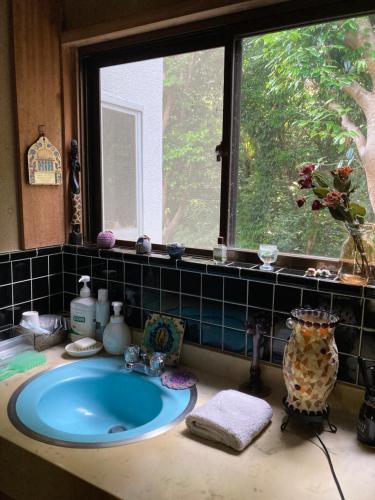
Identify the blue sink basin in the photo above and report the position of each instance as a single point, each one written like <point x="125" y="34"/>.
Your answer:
<point x="95" y="403"/>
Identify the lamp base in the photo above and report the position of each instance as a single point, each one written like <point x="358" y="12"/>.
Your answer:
<point x="312" y="417"/>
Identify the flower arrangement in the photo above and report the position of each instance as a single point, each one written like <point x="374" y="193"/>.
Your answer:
<point x="335" y="197"/>
<point x="334" y="194"/>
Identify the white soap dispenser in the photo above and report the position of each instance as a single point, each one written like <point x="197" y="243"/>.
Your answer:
<point x="117" y="334"/>
<point x="82" y="313"/>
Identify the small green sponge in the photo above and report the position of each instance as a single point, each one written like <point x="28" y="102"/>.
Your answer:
<point x="21" y="363"/>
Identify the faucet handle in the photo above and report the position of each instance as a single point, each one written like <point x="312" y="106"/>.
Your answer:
<point x="157" y="360"/>
<point x="131" y="353"/>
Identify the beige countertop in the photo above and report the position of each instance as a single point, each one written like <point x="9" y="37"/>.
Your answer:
<point x="276" y="466"/>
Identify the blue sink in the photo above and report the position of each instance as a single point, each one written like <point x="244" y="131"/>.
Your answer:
<point x="95" y="403"/>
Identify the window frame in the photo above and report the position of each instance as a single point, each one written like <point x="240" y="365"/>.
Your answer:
<point x="225" y="32"/>
<point x="118" y="104"/>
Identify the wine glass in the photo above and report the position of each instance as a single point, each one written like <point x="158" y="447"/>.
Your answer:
<point x="267" y="254"/>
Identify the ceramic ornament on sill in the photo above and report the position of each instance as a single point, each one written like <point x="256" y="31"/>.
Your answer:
<point x="44" y="163"/>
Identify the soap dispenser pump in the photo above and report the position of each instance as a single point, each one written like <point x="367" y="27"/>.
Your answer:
<point x="117" y="334"/>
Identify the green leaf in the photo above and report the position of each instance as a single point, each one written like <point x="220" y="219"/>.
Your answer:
<point x="320" y="179"/>
<point x="357" y="210"/>
<point x="321" y="192"/>
<point x="340" y="185"/>
<point x="337" y="213"/>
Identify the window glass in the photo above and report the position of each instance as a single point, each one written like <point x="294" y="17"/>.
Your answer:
<point x="120" y="211"/>
<point x="302" y="100"/>
<point x="159" y="169"/>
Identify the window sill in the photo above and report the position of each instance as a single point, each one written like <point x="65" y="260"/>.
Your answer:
<point x="235" y="269"/>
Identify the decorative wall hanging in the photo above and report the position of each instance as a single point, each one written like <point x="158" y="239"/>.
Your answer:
<point x="44" y="163"/>
<point x="164" y="334"/>
<point x="75" y="237"/>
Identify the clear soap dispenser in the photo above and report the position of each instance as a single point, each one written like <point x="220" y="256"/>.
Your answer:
<point x="117" y="334"/>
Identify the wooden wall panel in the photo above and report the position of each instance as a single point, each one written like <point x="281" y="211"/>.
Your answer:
<point x="36" y="28"/>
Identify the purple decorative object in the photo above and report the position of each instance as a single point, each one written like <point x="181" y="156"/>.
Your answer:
<point x="178" y="379"/>
<point x="106" y="239"/>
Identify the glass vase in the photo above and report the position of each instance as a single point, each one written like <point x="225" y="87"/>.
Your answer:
<point x="357" y="255"/>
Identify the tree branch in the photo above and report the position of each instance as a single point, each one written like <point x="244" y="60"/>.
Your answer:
<point x="364" y="38"/>
<point x="359" y="139"/>
<point x="360" y="95"/>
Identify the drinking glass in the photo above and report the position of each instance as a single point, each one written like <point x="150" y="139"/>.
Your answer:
<point x="267" y="254"/>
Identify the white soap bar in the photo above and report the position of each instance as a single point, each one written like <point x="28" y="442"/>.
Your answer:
<point x="85" y="343"/>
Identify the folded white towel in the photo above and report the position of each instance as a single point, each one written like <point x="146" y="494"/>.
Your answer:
<point x="231" y="418"/>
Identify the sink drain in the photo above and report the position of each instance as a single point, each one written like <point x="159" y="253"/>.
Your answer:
<point x="116" y="428"/>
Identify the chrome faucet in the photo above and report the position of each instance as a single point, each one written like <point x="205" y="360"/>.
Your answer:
<point x="151" y="365"/>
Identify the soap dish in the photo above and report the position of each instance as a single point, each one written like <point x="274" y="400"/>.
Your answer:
<point x="75" y="352"/>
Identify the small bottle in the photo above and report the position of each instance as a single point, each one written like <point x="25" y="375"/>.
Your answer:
<point x="82" y="313"/>
<point x="117" y="334"/>
<point x="220" y="251"/>
<point x="102" y="313"/>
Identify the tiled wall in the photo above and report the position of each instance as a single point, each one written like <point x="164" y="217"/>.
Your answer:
<point x="30" y="279"/>
<point x="216" y="300"/>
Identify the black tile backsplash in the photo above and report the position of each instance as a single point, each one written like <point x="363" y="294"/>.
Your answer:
<point x="39" y="266"/>
<point x="115" y="270"/>
<point x="83" y="263"/>
<point x="349" y="309"/>
<point x="133" y="273"/>
<point x="347" y="339"/>
<point x="319" y="300"/>
<point x="260" y="295"/>
<point x="151" y="299"/>
<point x="133" y="295"/>
<point x="234" y="341"/>
<point x="170" y="279"/>
<point x="22" y="291"/>
<point x="192" y="331"/>
<point x="235" y="290"/>
<point x="32" y="279"/>
<point x="35" y="281"/>
<point x="287" y="298"/>
<point x="190" y="283"/>
<point x="212" y="287"/>
<point x="234" y="316"/>
<point x="151" y="276"/>
<point x="21" y="270"/>
<point x="212" y="311"/>
<point x="70" y="263"/>
<point x="40" y="287"/>
<point x="5" y="273"/>
<point x="211" y="335"/>
<point x="216" y="301"/>
<point x="190" y="307"/>
<point x="170" y="303"/>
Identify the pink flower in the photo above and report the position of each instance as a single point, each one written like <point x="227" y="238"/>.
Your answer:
<point x="333" y="199"/>
<point x="306" y="182"/>
<point x="307" y="169"/>
<point x="316" y="205"/>
<point x="301" y="201"/>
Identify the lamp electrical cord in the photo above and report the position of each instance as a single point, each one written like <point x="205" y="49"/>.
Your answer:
<point x="326" y="453"/>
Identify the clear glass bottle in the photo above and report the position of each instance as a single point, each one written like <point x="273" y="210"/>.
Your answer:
<point x="220" y="251"/>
